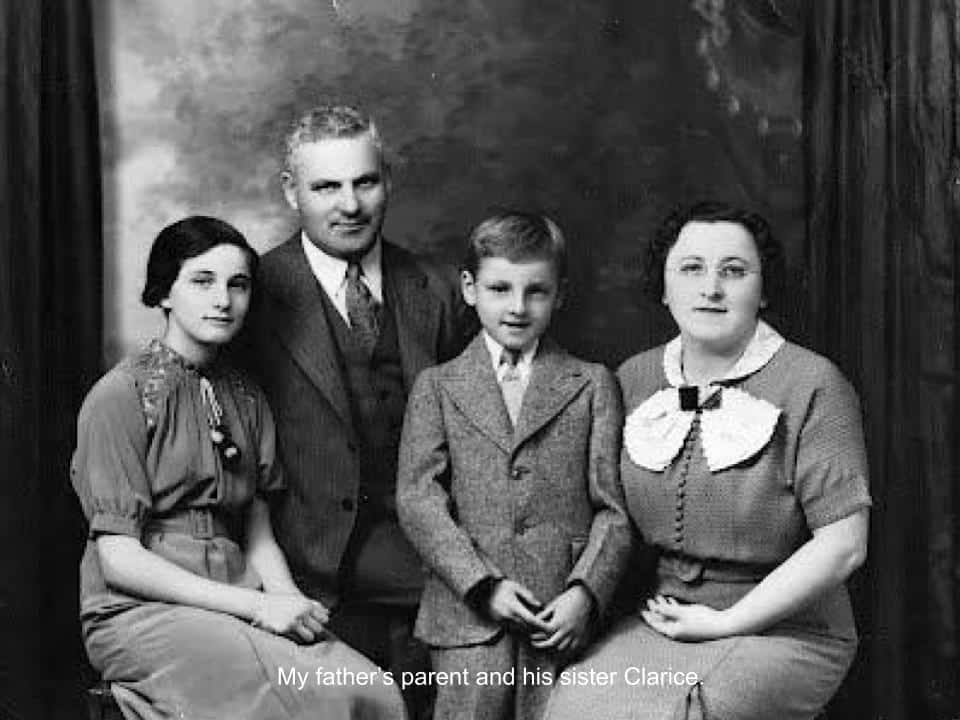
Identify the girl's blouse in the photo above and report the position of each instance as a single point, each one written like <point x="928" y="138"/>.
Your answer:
<point x="144" y="454"/>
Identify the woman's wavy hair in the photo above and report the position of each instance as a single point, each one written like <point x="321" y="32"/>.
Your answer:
<point x="768" y="248"/>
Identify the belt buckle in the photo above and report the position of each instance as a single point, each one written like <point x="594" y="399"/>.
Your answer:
<point x="202" y="523"/>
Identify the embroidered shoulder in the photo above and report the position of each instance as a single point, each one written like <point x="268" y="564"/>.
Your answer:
<point x="155" y="371"/>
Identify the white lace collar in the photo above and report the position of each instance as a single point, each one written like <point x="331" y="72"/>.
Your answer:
<point x="737" y="429"/>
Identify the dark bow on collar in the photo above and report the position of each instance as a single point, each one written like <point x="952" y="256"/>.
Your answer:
<point x="690" y="398"/>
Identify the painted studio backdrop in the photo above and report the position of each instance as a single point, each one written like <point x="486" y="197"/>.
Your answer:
<point x="602" y="119"/>
<point x="838" y="120"/>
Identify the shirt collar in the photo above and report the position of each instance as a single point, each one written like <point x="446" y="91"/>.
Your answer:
<point x="496" y="351"/>
<point x="331" y="272"/>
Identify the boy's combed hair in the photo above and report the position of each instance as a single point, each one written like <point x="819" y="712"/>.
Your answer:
<point x="517" y="236"/>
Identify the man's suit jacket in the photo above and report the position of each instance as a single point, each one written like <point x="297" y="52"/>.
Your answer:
<point x="541" y="504"/>
<point x="293" y="352"/>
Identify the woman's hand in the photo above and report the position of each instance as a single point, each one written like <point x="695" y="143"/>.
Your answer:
<point x="688" y="623"/>
<point x="291" y="614"/>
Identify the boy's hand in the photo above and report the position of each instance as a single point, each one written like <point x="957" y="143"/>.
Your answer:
<point x="567" y="618"/>
<point x="511" y="602"/>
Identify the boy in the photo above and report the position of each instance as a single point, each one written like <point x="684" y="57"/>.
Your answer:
<point x="508" y="484"/>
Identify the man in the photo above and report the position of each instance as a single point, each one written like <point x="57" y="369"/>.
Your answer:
<point x="344" y="323"/>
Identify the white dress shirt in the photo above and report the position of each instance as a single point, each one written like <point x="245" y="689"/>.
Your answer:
<point x="331" y="273"/>
<point x="524" y="363"/>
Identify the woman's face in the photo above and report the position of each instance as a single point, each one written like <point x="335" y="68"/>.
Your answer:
<point x="208" y="302"/>
<point x="713" y="285"/>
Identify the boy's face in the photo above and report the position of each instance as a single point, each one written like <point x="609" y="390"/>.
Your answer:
<point x="514" y="300"/>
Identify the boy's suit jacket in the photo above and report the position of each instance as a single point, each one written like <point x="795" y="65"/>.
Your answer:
<point x="293" y="353"/>
<point x="541" y="505"/>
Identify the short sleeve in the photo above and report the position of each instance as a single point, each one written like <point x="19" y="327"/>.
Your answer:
<point x="831" y="466"/>
<point x="269" y="474"/>
<point x="108" y="468"/>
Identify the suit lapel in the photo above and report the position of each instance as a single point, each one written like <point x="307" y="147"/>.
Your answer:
<point x="303" y="328"/>
<point x="416" y="313"/>
<point x="554" y="382"/>
<point x="471" y="383"/>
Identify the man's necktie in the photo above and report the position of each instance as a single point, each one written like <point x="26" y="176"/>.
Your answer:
<point x="363" y="310"/>
<point x="511" y="384"/>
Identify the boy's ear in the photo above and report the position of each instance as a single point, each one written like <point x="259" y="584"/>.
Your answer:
<point x="468" y="287"/>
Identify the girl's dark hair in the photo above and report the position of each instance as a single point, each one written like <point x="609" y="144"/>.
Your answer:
<point x="183" y="240"/>
<point x="768" y="248"/>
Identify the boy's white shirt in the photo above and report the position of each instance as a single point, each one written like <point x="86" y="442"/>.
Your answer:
<point x="331" y="273"/>
<point x="524" y="364"/>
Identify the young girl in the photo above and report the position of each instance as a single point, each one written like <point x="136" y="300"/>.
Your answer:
<point x="187" y="604"/>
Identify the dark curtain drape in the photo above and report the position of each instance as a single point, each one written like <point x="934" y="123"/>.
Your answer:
<point x="50" y="340"/>
<point x="883" y="199"/>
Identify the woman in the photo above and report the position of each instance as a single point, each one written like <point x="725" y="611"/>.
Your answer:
<point x="187" y="603"/>
<point x="744" y="469"/>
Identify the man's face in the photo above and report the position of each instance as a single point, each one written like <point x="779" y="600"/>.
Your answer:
<point x="340" y="189"/>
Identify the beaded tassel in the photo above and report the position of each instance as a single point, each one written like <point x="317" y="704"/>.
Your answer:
<point x="219" y="435"/>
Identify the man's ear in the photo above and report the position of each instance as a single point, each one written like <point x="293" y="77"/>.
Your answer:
<point x="468" y="286"/>
<point x="289" y="185"/>
<point x="165" y="303"/>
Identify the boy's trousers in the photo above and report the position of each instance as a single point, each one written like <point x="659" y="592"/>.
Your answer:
<point x="509" y="656"/>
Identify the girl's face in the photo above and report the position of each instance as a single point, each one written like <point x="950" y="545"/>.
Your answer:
<point x="208" y="302"/>
<point x="713" y="285"/>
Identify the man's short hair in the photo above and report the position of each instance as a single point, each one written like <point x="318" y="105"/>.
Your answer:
<point x="517" y="237"/>
<point x="329" y="121"/>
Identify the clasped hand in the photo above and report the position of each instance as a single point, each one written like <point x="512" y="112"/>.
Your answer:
<point x="291" y="614"/>
<point x="561" y="625"/>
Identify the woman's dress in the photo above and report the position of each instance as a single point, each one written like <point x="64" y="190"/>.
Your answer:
<point x="724" y="492"/>
<point x="145" y="466"/>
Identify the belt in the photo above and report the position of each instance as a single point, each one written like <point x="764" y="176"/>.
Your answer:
<point x="690" y="569"/>
<point x="201" y="523"/>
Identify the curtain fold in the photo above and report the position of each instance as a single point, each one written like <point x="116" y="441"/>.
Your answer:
<point x="883" y="196"/>
<point x="19" y="227"/>
<point x="50" y="341"/>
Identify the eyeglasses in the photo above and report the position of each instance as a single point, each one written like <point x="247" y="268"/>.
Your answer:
<point x="694" y="270"/>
